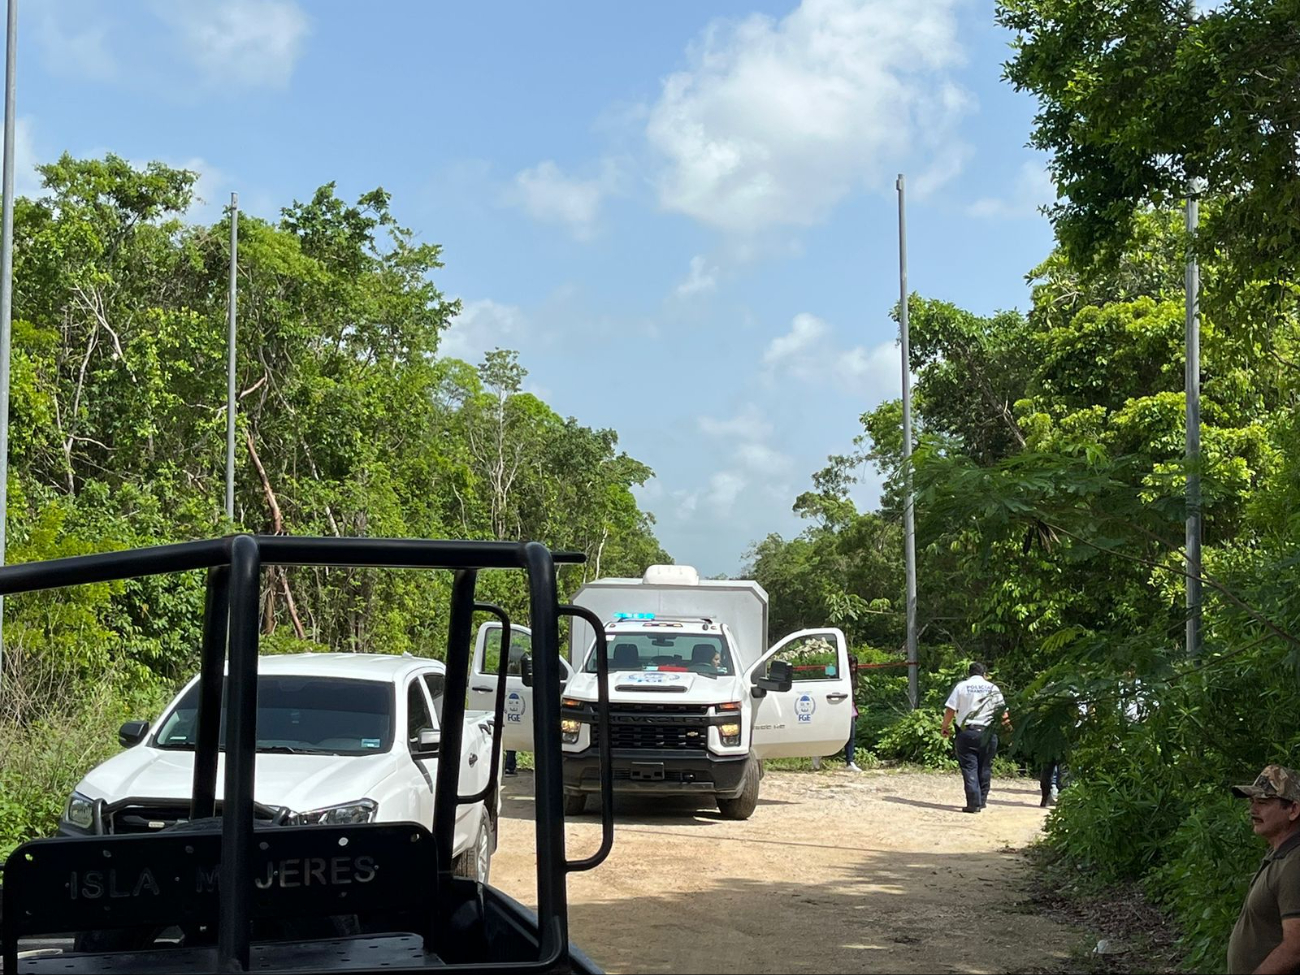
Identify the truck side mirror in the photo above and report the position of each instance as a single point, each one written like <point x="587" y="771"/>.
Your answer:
<point x="526" y="669"/>
<point x="780" y="677"/>
<point x="429" y="741"/>
<point x="132" y="733"/>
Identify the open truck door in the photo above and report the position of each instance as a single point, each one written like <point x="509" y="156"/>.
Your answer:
<point x="804" y="711"/>
<point x="518" y="729"/>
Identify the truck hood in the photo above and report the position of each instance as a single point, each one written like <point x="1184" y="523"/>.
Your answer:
<point x="301" y="782"/>
<point x="658" y="687"/>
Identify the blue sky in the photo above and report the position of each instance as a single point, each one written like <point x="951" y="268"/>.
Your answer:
<point x="682" y="214"/>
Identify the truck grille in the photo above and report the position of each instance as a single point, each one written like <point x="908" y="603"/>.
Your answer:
<point x="662" y="727"/>
<point x="696" y="710"/>
<point x="150" y="817"/>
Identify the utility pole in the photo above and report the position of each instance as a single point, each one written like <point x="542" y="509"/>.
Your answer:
<point x="909" y="519"/>
<point x="230" y="366"/>
<point x="1192" y="382"/>
<point x="6" y="285"/>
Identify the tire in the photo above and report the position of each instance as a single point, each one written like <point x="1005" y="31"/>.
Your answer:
<point x="743" y="805"/>
<point x="476" y="862"/>
<point x="575" y="803"/>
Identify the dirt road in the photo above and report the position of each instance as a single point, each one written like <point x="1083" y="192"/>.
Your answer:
<point x="835" y="872"/>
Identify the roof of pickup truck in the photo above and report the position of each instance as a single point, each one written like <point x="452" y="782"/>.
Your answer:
<point x="694" y="624"/>
<point x="363" y="666"/>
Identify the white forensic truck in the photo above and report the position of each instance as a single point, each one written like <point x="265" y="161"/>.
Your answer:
<point x="698" y="699"/>
<point x="342" y="738"/>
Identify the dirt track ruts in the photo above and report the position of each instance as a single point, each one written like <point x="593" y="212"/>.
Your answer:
<point x="835" y="872"/>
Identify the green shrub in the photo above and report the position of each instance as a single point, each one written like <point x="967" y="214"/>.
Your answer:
<point x="915" y="737"/>
<point x="1115" y="824"/>
<point x="1204" y="882"/>
<point x="45" y="752"/>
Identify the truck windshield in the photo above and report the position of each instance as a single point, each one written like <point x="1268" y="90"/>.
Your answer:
<point x="313" y="715"/>
<point x="686" y="652"/>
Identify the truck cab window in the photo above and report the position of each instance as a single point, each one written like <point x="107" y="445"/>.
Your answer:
<point x="813" y="658"/>
<point x="520" y="644"/>
<point x="686" y="653"/>
<point x="437" y="687"/>
<point x="417" y="714"/>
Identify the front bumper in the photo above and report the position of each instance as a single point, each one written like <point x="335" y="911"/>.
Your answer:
<point x="658" y="772"/>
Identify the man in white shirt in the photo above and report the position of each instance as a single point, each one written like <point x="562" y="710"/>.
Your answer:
<point x="976" y="703"/>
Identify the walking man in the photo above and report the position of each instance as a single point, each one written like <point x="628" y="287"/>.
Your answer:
<point x="976" y="703"/>
<point x="1267" y="935"/>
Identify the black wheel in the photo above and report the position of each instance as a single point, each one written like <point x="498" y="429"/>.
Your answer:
<point x="476" y="862"/>
<point x="743" y="805"/>
<point x="575" y="803"/>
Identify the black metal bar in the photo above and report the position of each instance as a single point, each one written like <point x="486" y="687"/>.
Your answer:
<point x="604" y="747"/>
<point x="460" y="628"/>
<point x="410" y="553"/>
<point x="216" y="616"/>
<point x="235" y="930"/>
<point x="548" y="776"/>
<point x="81" y="569"/>
<point x="488" y="794"/>
<point x="276" y="550"/>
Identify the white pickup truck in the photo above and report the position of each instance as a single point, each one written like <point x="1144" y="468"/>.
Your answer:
<point x="341" y="738"/>
<point x="697" y="696"/>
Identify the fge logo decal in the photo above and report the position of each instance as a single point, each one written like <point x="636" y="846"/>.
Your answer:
<point x="804" y="708"/>
<point x="515" y="708"/>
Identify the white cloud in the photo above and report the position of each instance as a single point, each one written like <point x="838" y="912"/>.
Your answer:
<point x="774" y="122"/>
<point x="751" y="459"/>
<point x="723" y="490"/>
<point x="481" y="326"/>
<point x="806" y="332"/>
<point x="27" y="181"/>
<point x="762" y="459"/>
<point x="80" y="48"/>
<point x="809" y="354"/>
<point x="1033" y="188"/>
<point x="211" y="190"/>
<point x="548" y="195"/>
<point x="749" y="424"/>
<point x="700" y="278"/>
<point x="252" y="43"/>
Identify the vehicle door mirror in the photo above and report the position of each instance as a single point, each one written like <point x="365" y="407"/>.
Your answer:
<point x="780" y="677"/>
<point x="526" y="669"/>
<point x="132" y="733"/>
<point x="428" y="741"/>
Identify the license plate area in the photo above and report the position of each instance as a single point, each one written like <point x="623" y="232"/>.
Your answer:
<point x="647" y="772"/>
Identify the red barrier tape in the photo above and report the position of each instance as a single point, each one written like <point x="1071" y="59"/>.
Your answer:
<point x="892" y="663"/>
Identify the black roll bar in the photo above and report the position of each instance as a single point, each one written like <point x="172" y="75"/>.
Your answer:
<point x="230" y="622"/>
<point x="604" y="747"/>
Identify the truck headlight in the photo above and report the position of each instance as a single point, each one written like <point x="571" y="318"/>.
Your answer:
<point x="346" y="814"/>
<point x="80" y="812"/>
<point x="569" y="728"/>
<point x="730" y="733"/>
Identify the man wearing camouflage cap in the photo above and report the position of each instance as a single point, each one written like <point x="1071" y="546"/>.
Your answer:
<point x="1267" y="935"/>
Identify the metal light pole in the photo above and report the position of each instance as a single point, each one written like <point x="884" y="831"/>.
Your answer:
<point x="6" y="285"/>
<point x="230" y="366"/>
<point x="909" y="521"/>
<point x="1192" y="381"/>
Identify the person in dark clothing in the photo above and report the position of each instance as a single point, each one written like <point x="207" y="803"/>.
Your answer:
<point x="976" y="703"/>
<point x="1050" y="782"/>
<point x="512" y="767"/>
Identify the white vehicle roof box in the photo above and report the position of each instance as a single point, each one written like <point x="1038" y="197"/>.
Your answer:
<point x="739" y="603"/>
<point x="671" y="575"/>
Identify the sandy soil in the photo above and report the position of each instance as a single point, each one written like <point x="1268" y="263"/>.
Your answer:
<point x="835" y="872"/>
